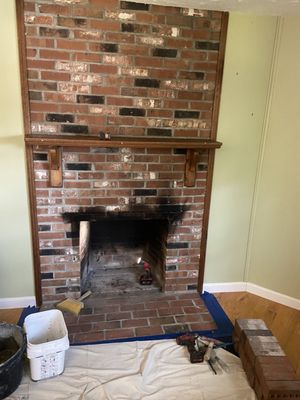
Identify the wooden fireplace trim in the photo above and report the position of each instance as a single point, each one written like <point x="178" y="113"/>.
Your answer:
<point x="192" y="146"/>
<point x="54" y="144"/>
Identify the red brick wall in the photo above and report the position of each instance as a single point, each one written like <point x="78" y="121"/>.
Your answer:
<point x="128" y="69"/>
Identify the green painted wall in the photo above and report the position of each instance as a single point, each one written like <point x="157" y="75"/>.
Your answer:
<point x="274" y="256"/>
<point x="248" y="60"/>
<point x="244" y="97"/>
<point x="16" y="277"/>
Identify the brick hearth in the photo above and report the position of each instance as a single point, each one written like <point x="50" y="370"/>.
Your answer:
<point x="119" y="317"/>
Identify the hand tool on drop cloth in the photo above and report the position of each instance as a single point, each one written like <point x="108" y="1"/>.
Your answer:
<point x="207" y="356"/>
<point x="73" y="305"/>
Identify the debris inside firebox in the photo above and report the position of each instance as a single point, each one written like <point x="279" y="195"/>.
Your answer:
<point x="202" y="349"/>
<point x="146" y="278"/>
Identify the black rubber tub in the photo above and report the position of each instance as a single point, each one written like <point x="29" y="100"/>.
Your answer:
<point x="12" y="348"/>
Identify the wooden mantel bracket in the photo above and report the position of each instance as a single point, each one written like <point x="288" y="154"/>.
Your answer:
<point x="190" y="167"/>
<point x="55" y="167"/>
<point x="55" y="143"/>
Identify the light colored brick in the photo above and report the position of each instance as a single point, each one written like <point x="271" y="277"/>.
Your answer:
<point x="103" y="110"/>
<point x="43" y="128"/>
<point x="72" y="88"/>
<point x="150" y="40"/>
<point x="86" y="78"/>
<point x="115" y="59"/>
<point x="133" y="71"/>
<point x="148" y="103"/>
<point x="194" y="12"/>
<point x="71" y="66"/>
<point x="176" y="84"/>
<point x="125" y="16"/>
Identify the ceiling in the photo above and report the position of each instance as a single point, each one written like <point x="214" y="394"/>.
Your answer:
<point x="260" y="7"/>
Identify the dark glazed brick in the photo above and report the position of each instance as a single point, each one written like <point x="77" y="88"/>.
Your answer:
<point x="207" y="45"/>
<point x="78" y="166"/>
<point x="186" y="114"/>
<point x="144" y="82"/>
<point x="194" y="75"/>
<point x="35" y="95"/>
<point x="179" y="245"/>
<point x="72" y="235"/>
<point x="145" y="192"/>
<point x="171" y="53"/>
<point x="127" y="27"/>
<point x="52" y="252"/>
<point x="44" y="228"/>
<point x="159" y="132"/>
<point x="109" y="47"/>
<point x="60" y="117"/>
<point x="75" y="129"/>
<point x="192" y="287"/>
<point x="47" y="275"/>
<point x="135" y="28"/>
<point x="202" y="167"/>
<point x="87" y="99"/>
<point x="171" y="267"/>
<point x="179" y="151"/>
<point x="49" y="32"/>
<point x="138" y="112"/>
<point x="128" y="5"/>
<point x="40" y="156"/>
<point x="173" y="208"/>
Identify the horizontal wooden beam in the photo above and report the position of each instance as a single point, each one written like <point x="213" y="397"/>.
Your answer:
<point x="120" y="141"/>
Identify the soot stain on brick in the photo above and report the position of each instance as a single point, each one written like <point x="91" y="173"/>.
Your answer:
<point x="173" y="212"/>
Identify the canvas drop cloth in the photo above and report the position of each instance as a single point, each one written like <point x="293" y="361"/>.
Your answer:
<point x="150" y="370"/>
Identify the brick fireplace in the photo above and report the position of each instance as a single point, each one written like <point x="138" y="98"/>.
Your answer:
<point x="148" y="75"/>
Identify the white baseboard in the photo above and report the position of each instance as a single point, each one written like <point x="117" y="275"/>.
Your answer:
<point x="225" y="287"/>
<point x="254" y="289"/>
<point x="17" y="302"/>
<point x="273" y="296"/>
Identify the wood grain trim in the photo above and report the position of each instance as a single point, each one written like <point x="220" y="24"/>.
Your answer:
<point x="211" y="155"/>
<point x="29" y="150"/>
<point x="119" y="141"/>
<point x="219" y="76"/>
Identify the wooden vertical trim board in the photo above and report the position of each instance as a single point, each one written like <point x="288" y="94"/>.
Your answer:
<point x="211" y="155"/>
<point x="210" y="168"/>
<point x="29" y="149"/>
<point x="219" y="76"/>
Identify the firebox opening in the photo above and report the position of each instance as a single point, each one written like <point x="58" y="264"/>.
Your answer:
<point x="123" y="255"/>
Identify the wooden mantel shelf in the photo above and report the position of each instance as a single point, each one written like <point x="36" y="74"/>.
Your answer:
<point x="121" y="141"/>
<point x="54" y="144"/>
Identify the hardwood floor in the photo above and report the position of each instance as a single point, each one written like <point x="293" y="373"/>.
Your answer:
<point x="284" y="322"/>
<point x="11" y="315"/>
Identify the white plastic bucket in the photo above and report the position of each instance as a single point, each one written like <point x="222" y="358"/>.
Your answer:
<point x="47" y="341"/>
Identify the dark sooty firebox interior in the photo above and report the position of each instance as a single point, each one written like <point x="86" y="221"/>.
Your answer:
<point x="120" y="253"/>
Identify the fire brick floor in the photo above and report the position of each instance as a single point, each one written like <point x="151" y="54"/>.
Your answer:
<point x="107" y="317"/>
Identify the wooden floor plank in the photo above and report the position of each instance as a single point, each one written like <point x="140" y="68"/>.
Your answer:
<point x="283" y="321"/>
<point x="11" y="315"/>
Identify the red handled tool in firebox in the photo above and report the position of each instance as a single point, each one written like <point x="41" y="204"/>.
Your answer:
<point x="146" y="277"/>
